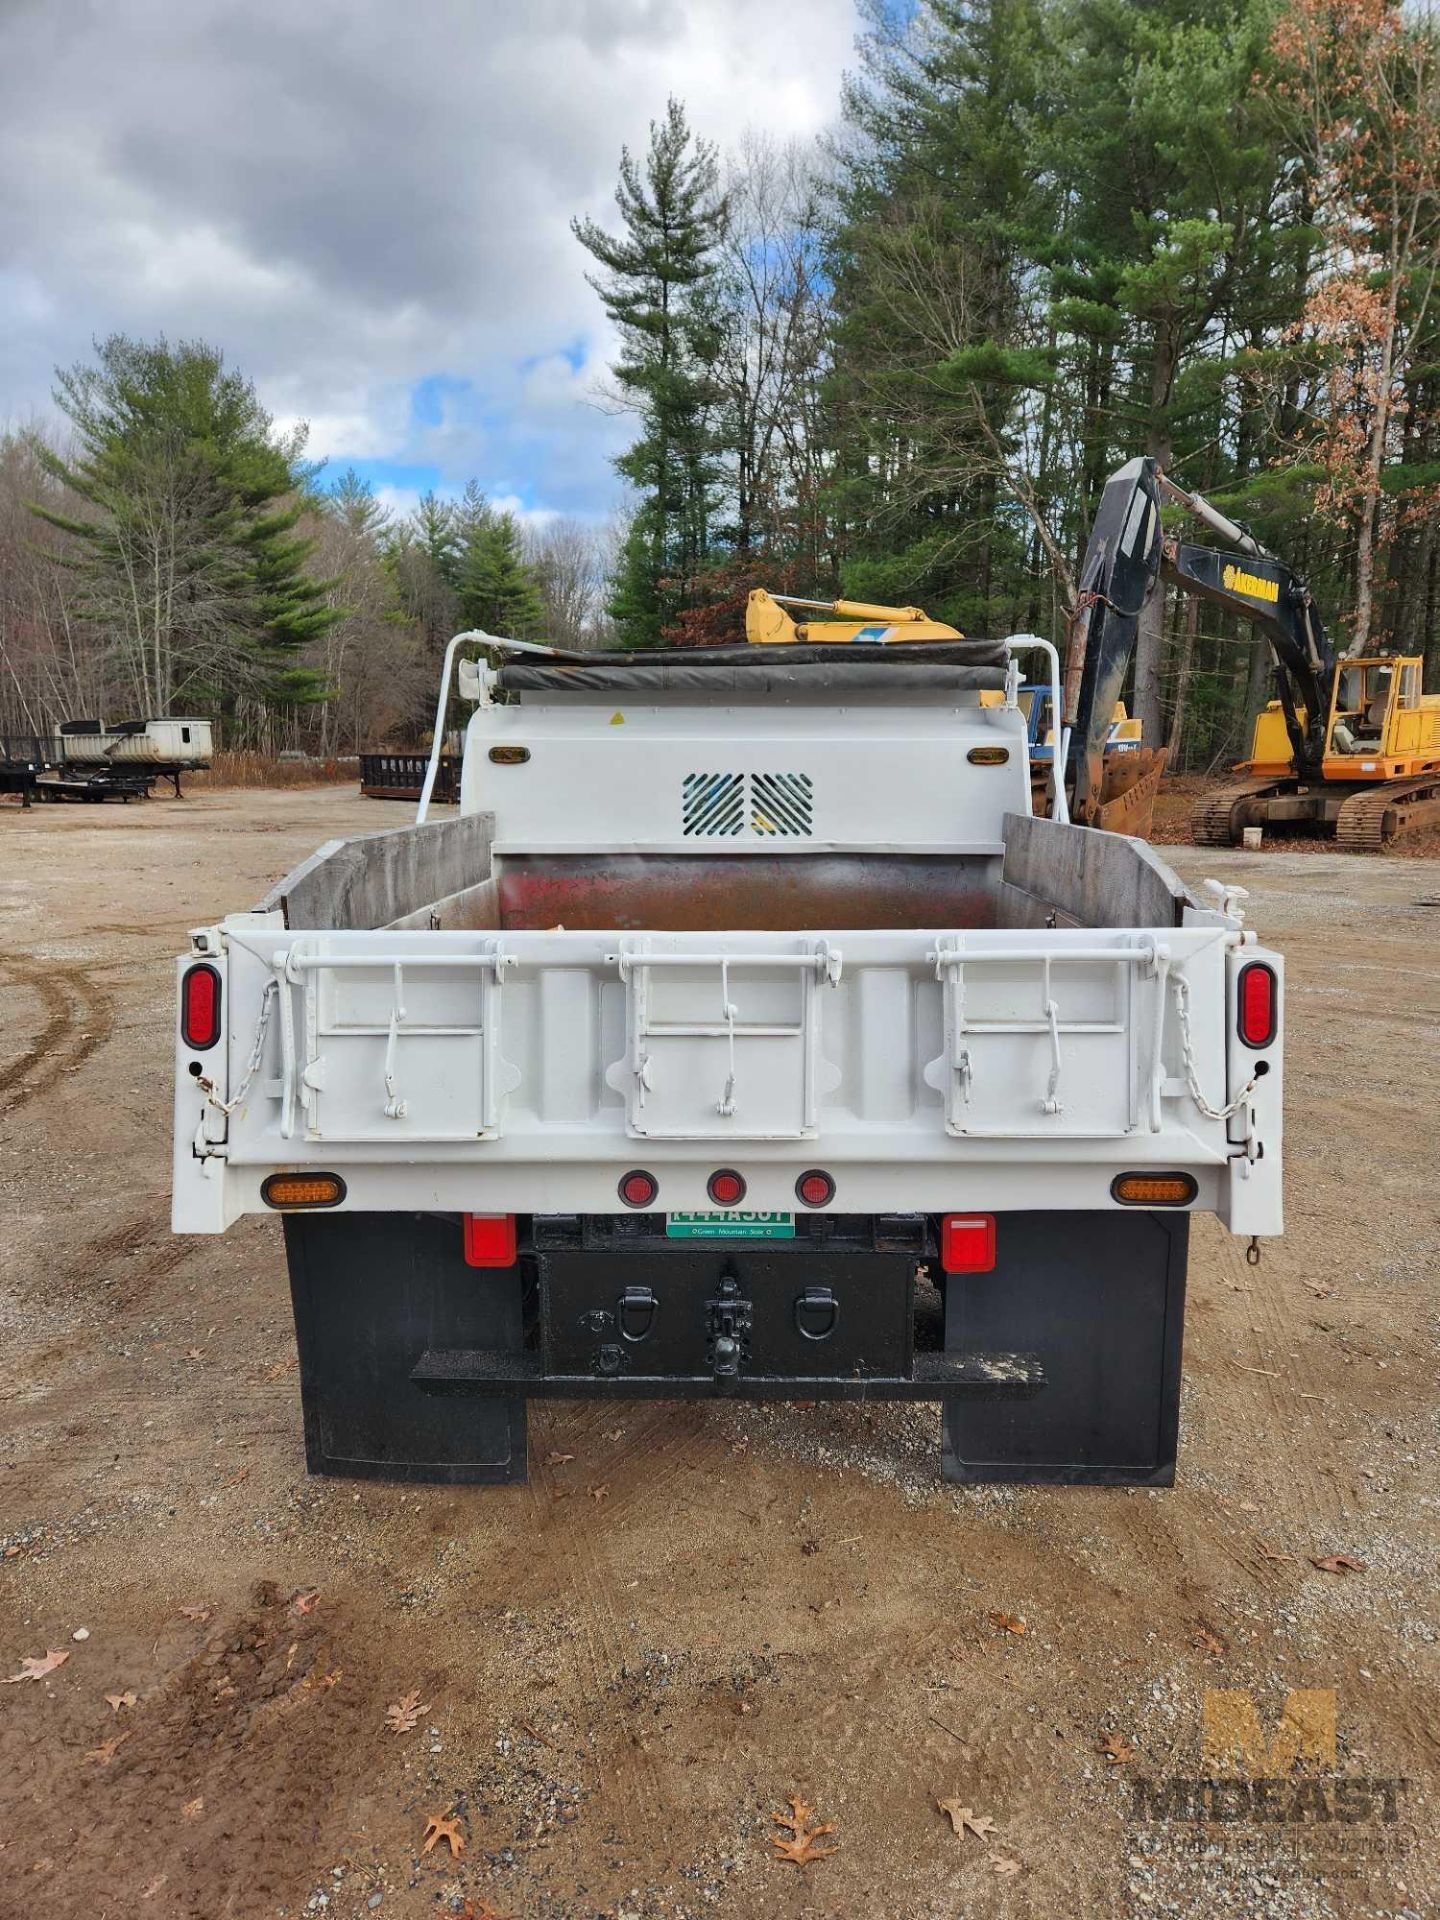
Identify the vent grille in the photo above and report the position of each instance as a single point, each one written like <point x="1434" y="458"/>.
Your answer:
<point x="717" y="806"/>
<point x="713" y="804"/>
<point x="780" y="803"/>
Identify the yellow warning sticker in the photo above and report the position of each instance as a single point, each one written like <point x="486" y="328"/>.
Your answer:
<point x="617" y="719"/>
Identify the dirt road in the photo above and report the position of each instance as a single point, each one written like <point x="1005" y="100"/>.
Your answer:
<point x="622" y="1671"/>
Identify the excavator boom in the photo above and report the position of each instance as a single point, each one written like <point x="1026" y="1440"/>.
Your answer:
<point x="1127" y="558"/>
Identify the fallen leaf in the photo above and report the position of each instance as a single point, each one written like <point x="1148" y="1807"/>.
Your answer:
<point x="1269" y="1553"/>
<point x="35" y="1667"/>
<point x="483" y="1912"/>
<point x="12" y="1553"/>
<point x="235" y="1479"/>
<point x="1208" y="1641"/>
<point x="1003" y="1864"/>
<point x="321" y="1682"/>
<point x="447" y="1830"/>
<point x="307" y="1602"/>
<point x="193" y="1809"/>
<point x="1008" y="1623"/>
<point x="200" y="1614"/>
<point x="616" y="1433"/>
<point x="152" y="1887"/>
<point x="195" y="1353"/>
<point x="1116" y="1749"/>
<point x="798" y="1844"/>
<point x="980" y="1824"/>
<point x="558" y="1459"/>
<point x="279" y="1372"/>
<point x="115" y="1701"/>
<point x="402" y="1715"/>
<point x="107" y="1749"/>
<point x="599" y="1493"/>
<point x="1340" y="1563"/>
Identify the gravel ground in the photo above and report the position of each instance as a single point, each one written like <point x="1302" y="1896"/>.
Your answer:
<point x="622" y="1671"/>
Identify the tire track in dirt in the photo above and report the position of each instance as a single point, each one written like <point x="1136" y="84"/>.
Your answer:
<point x="572" y="1555"/>
<point x="78" y="1017"/>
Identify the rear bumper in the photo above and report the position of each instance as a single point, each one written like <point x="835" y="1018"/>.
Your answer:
<point x="1063" y="1364"/>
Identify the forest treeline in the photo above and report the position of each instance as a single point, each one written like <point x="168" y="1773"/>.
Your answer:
<point x="898" y="366"/>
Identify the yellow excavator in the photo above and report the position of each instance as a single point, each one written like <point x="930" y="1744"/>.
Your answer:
<point x="1131" y="770"/>
<point x="1351" y="744"/>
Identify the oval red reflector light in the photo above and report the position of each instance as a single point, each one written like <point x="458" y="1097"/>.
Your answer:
<point x="638" y="1189"/>
<point x="815" y="1188"/>
<point x="200" y="1007"/>
<point x="1257" y="1004"/>
<point x="726" y="1188"/>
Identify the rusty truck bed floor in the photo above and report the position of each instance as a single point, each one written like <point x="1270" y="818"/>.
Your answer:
<point x="621" y="1672"/>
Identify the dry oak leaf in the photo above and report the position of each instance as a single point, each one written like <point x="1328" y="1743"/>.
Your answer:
<point x="1008" y="1623"/>
<point x="152" y="1887"/>
<point x="599" y="1493"/>
<point x="35" y="1667"/>
<point x="1340" y="1563"/>
<point x="1116" y="1749"/>
<point x="402" y="1715"/>
<point x="448" y="1830"/>
<point x="193" y="1809"/>
<point x="198" y="1614"/>
<point x="115" y="1701"/>
<point x="798" y="1845"/>
<point x="1209" y="1642"/>
<point x="980" y="1824"/>
<point x="107" y="1749"/>
<point x="242" y="1473"/>
<point x="307" y="1602"/>
<point x="558" y="1459"/>
<point x="1003" y="1864"/>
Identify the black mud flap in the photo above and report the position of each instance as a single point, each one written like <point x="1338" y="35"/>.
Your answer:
<point x="372" y="1292"/>
<point x="1099" y="1299"/>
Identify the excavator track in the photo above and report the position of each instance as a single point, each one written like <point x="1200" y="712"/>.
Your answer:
<point x="1368" y="820"/>
<point x="1217" y="820"/>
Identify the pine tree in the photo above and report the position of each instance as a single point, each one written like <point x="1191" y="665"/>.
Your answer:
<point x="498" y="590"/>
<point x="658" y="288"/>
<point x="189" y="548"/>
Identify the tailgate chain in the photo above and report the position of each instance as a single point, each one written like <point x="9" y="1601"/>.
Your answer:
<point x="1187" y="1048"/>
<point x="252" y="1066"/>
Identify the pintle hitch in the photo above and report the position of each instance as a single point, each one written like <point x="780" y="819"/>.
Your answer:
<point x="728" y="1319"/>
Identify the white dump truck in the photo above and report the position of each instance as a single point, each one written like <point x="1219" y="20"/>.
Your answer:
<point x="743" y="1034"/>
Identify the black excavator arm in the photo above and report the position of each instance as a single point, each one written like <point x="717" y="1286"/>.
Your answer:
<point x="1127" y="558"/>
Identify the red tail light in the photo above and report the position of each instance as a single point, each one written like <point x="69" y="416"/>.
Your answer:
<point x="726" y="1188"/>
<point x="638" y="1189"/>
<point x="967" y="1243"/>
<point x="1257" y="1004"/>
<point x="490" y="1239"/>
<point x="200" y="1007"/>
<point x="815" y="1189"/>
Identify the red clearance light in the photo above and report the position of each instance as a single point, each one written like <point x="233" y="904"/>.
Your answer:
<point x="638" y="1189"/>
<point x="967" y="1243"/>
<point x="815" y="1188"/>
<point x="726" y="1188"/>
<point x="1257" y="1004"/>
<point x="490" y="1239"/>
<point x="200" y="1007"/>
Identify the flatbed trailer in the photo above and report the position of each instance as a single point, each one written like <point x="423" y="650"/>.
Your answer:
<point x="743" y="1035"/>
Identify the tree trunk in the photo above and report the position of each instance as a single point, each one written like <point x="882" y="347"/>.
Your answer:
<point x="1182" y="676"/>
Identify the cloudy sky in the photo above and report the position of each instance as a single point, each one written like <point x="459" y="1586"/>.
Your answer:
<point x="366" y="203"/>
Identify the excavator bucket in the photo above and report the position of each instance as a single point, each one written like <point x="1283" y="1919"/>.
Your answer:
<point x="1129" y="791"/>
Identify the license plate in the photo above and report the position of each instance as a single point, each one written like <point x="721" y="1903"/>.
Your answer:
<point x="730" y="1226"/>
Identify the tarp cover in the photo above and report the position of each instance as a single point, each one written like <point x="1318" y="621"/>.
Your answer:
<point x="928" y="668"/>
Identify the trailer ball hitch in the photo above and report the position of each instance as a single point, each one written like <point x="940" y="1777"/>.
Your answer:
<point x="727" y="1328"/>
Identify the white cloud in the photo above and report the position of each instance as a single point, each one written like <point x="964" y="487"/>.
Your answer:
<point x="350" y="196"/>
